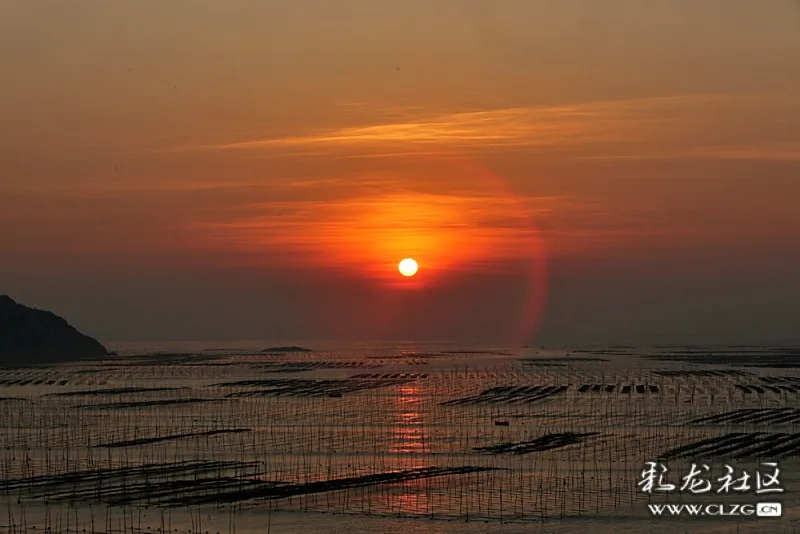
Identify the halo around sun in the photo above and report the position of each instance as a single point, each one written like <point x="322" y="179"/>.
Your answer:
<point x="408" y="267"/>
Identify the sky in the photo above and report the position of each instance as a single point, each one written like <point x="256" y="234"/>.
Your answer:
<point x="565" y="172"/>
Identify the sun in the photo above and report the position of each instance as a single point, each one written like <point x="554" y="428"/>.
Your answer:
<point x="408" y="267"/>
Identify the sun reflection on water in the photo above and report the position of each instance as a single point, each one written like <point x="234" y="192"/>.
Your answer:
<point x="407" y="429"/>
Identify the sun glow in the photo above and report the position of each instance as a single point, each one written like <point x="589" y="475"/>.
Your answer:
<point x="408" y="267"/>
<point x="450" y="215"/>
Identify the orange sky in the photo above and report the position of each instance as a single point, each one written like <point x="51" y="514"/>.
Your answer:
<point x="190" y="169"/>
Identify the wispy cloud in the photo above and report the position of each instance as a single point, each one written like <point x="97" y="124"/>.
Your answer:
<point x="754" y="152"/>
<point x="778" y="152"/>
<point x="692" y="125"/>
<point x="440" y="231"/>
<point x="619" y="128"/>
<point x="457" y="212"/>
<point x="436" y="229"/>
<point x="523" y="126"/>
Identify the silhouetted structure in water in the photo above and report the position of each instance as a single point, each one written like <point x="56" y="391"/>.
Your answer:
<point x="286" y="349"/>
<point x="29" y="335"/>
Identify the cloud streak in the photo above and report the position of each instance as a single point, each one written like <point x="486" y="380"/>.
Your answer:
<point x="443" y="232"/>
<point x="670" y="120"/>
<point x="780" y="152"/>
<point x="519" y="126"/>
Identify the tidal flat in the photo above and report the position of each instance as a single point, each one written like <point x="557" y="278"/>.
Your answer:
<point x="404" y="438"/>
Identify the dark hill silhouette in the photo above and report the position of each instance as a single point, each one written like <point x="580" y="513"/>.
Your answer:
<point x="29" y="335"/>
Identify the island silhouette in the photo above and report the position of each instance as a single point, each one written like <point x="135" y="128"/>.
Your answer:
<point x="30" y="335"/>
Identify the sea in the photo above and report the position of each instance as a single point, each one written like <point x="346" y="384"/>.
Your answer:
<point x="402" y="437"/>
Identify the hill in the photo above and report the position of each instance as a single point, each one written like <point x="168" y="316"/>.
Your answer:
<point x="30" y="335"/>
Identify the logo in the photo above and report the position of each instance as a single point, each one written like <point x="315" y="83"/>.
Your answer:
<point x="699" y="480"/>
<point x="769" y="509"/>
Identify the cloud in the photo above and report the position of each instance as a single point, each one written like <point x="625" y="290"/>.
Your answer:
<point x="753" y="152"/>
<point x="441" y="231"/>
<point x="431" y="200"/>
<point x="778" y="152"/>
<point x="520" y="126"/>
<point x="699" y="125"/>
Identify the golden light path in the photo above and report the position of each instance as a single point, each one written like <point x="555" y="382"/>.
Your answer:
<point x="408" y="267"/>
